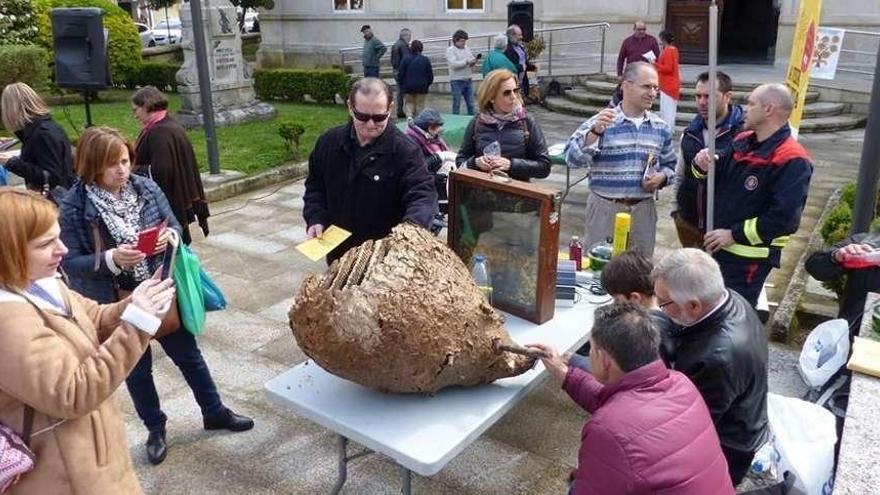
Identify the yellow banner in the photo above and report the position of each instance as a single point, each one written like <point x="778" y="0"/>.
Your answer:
<point x="797" y="76"/>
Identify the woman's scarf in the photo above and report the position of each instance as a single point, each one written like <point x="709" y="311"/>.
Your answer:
<point x="490" y="117"/>
<point x="122" y="216"/>
<point x="152" y="119"/>
<point x="426" y="141"/>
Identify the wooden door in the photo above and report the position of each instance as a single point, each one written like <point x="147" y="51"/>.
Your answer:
<point x="689" y="22"/>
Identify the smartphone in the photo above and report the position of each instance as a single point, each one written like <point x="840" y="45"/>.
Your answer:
<point x="169" y="256"/>
<point x="147" y="238"/>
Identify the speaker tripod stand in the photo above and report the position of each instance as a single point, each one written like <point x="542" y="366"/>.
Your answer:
<point x="86" y="95"/>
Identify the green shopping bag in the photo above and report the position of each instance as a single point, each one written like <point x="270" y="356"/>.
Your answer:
<point x="190" y="297"/>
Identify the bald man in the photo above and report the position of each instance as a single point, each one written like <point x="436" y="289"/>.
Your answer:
<point x="635" y="46"/>
<point x="760" y="191"/>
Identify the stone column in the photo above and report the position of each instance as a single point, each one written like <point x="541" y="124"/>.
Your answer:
<point x="232" y="88"/>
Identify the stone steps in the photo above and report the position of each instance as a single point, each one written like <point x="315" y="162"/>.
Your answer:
<point x="687" y="92"/>
<point x="689" y="106"/>
<point x="825" y="123"/>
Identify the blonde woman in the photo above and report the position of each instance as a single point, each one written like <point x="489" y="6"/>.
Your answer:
<point x="521" y="151"/>
<point x="62" y="356"/>
<point x="45" y="149"/>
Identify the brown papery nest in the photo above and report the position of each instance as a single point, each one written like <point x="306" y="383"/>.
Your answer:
<point x="402" y="314"/>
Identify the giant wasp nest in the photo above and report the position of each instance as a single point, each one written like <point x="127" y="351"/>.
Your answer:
<point x="402" y="314"/>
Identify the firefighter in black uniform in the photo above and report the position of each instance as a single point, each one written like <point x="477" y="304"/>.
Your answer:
<point x="760" y="191"/>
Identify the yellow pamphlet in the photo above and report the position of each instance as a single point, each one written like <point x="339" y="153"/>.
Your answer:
<point x="318" y="247"/>
<point x="865" y="357"/>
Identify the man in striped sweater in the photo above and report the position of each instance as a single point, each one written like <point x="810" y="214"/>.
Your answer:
<point x="630" y="154"/>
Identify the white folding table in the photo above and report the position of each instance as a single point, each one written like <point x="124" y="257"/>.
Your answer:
<point x="422" y="433"/>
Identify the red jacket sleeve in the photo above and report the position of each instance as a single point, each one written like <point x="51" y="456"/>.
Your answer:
<point x="583" y="388"/>
<point x="603" y="467"/>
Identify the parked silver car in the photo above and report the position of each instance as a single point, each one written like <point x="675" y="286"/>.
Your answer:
<point x="167" y="32"/>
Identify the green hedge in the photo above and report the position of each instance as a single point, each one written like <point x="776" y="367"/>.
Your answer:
<point x="125" y="43"/>
<point x="158" y="74"/>
<point x="25" y="63"/>
<point x="293" y="84"/>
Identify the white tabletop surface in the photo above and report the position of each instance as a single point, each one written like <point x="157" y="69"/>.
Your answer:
<point x="420" y="432"/>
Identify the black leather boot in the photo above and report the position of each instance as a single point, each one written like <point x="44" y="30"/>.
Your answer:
<point x="228" y="420"/>
<point x="156" y="448"/>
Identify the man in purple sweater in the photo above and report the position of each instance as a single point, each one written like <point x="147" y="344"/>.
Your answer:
<point x="634" y="48"/>
<point x="650" y="430"/>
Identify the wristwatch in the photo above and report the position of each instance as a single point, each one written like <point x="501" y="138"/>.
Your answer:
<point x="592" y="130"/>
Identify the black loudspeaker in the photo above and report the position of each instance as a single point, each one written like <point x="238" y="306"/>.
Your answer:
<point x="80" y="49"/>
<point x="523" y="15"/>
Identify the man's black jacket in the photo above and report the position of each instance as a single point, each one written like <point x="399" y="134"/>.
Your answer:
<point x="367" y="191"/>
<point x="725" y="356"/>
<point x="821" y="266"/>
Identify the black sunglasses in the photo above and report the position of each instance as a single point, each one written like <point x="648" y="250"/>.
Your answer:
<point x="508" y="92"/>
<point x="377" y="118"/>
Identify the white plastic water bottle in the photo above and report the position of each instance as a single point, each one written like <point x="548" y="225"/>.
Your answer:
<point x="480" y="273"/>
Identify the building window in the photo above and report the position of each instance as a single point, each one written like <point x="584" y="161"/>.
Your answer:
<point x="464" y="5"/>
<point x="348" y="5"/>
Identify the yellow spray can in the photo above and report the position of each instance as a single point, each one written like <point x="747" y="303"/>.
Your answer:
<point x="621" y="232"/>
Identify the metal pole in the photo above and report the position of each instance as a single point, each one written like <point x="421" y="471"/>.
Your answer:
<point x="602" y="52"/>
<point x="869" y="167"/>
<point x="710" y="123"/>
<point x="205" y="86"/>
<point x="88" y="109"/>
<point x="550" y="56"/>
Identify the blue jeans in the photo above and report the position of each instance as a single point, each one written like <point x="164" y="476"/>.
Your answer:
<point x="462" y="88"/>
<point x="371" y="72"/>
<point x="181" y="347"/>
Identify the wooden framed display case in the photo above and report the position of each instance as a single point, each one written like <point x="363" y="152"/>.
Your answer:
<point x="515" y="225"/>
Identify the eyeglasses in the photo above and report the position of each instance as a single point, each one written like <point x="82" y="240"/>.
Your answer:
<point x="509" y="92"/>
<point x="664" y="304"/>
<point x="377" y="118"/>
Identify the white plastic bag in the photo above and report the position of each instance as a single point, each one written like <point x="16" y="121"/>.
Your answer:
<point x="804" y="435"/>
<point x="825" y="351"/>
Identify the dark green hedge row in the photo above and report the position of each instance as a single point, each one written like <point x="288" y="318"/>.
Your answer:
<point x="158" y="74"/>
<point x="294" y="84"/>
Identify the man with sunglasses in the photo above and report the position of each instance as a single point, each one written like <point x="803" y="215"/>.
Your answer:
<point x="366" y="176"/>
<point x="720" y="344"/>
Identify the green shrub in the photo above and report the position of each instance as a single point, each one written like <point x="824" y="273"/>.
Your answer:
<point x="26" y="63"/>
<point x="125" y="43"/>
<point x="291" y="133"/>
<point x="18" y="24"/>
<point x="158" y="74"/>
<point x="293" y="84"/>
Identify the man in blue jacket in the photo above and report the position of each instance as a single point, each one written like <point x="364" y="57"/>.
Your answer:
<point x="760" y="192"/>
<point x="689" y="213"/>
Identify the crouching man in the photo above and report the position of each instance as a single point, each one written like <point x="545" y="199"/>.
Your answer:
<point x="650" y="430"/>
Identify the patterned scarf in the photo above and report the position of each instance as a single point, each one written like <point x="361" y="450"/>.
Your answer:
<point x="489" y="117"/>
<point x="427" y="141"/>
<point x="122" y="217"/>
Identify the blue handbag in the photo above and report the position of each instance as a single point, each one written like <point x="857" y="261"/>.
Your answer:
<point x="214" y="298"/>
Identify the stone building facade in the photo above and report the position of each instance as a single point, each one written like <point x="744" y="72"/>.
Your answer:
<point x="309" y="33"/>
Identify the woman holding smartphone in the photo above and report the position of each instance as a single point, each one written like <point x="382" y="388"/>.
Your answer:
<point x="63" y="357"/>
<point x="101" y="219"/>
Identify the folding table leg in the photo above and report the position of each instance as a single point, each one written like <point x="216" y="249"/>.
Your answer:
<point x="405" y="481"/>
<point x="342" y="444"/>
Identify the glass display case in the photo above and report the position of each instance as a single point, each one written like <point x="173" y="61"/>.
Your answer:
<point x="515" y="225"/>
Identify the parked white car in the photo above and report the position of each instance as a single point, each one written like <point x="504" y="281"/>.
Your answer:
<point x="146" y="35"/>
<point x="249" y="19"/>
<point x="167" y="32"/>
